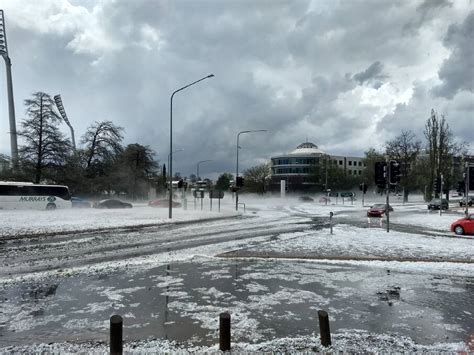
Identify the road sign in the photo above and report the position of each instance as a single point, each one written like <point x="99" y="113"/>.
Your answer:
<point x="333" y="194"/>
<point x="347" y="194"/>
<point x="216" y="194"/>
<point x="198" y="194"/>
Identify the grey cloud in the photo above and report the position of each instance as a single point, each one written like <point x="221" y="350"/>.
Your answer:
<point x="457" y="72"/>
<point x="132" y="85"/>
<point x="425" y="12"/>
<point x="413" y="115"/>
<point x="373" y="75"/>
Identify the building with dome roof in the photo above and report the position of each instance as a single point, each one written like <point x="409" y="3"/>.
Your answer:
<point x="296" y="167"/>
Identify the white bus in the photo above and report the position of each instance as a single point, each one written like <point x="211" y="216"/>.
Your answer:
<point x="26" y="195"/>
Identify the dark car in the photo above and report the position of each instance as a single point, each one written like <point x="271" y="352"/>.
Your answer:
<point x="378" y="210"/>
<point x="437" y="204"/>
<point x="464" y="225"/>
<point x="80" y="203"/>
<point x="112" y="203"/>
<point x="305" y="199"/>
<point x="470" y="201"/>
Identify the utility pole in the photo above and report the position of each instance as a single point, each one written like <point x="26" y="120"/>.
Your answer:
<point x="11" y="104"/>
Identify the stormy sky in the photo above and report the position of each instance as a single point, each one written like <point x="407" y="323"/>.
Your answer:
<point x="345" y="75"/>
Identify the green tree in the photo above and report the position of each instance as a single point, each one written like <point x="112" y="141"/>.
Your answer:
<point x="45" y="149"/>
<point x="327" y="175"/>
<point x="223" y="182"/>
<point x="257" y="178"/>
<point x="136" y="170"/>
<point x="371" y="157"/>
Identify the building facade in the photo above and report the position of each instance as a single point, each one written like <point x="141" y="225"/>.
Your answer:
<point x="297" y="167"/>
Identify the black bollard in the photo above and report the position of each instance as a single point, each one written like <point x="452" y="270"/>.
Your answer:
<point x="224" y="331"/>
<point x="116" y="328"/>
<point x="324" y="330"/>
<point x="330" y="220"/>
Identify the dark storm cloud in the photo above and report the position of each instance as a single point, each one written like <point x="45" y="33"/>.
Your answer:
<point x="373" y="75"/>
<point x="425" y="12"/>
<point x="457" y="72"/>
<point x="278" y="65"/>
<point x="458" y="114"/>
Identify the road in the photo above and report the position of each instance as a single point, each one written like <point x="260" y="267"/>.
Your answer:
<point x="64" y="287"/>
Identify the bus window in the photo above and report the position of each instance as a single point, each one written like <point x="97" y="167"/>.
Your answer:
<point x="8" y="190"/>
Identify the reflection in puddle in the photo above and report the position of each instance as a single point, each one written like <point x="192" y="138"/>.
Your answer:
<point x="267" y="299"/>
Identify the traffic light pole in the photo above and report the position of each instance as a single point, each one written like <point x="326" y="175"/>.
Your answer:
<point x="387" y="186"/>
<point x="441" y="195"/>
<point x="466" y="185"/>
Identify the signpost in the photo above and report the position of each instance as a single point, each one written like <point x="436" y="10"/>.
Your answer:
<point x="198" y="194"/>
<point x="334" y="194"/>
<point x="219" y="194"/>
<point x="347" y="194"/>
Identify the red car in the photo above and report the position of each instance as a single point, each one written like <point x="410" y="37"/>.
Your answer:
<point x="464" y="225"/>
<point x="378" y="210"/>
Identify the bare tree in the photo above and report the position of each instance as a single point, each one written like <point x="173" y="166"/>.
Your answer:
<point x="102" y="142"/>
<point x="441" y="149"/>
<point x="45" y="147"/>
<point x="257" y="178"/>
<point x="405" y="149"/>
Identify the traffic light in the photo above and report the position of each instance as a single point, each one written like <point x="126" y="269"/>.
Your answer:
<point x="363" y="187"/>
<point x="437" y="185"/>
<point x="180" y="183"/>
<point x="394" y="172"/>
<point x="379" y="175"/>
<point x="239" y="181"/>
<point x="461" y="186"/>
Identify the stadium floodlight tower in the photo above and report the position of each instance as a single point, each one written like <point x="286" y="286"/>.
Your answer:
<point x="59" y="104"/>
<point x="11" y="104"/>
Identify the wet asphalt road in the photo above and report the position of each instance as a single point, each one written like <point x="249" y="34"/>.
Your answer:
<point x="182" y="300"/>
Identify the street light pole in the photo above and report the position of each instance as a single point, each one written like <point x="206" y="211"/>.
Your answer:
<point x="237" y="164"/>
<point x="197" y="168"/>
<point x="171" y="138"/>
<point x="11" y="104"/>
<point x="176" y="151"/>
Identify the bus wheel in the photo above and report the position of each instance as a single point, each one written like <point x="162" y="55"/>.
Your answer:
<point x="51" y="206"/>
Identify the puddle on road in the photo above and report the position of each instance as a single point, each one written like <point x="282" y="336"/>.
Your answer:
<point x="267" y="299"/>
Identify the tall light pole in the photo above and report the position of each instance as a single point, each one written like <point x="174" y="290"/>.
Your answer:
<point x="62" y="111"/>
<point x="237" y="165"/>
<point x="171" y="138"/>
<point x="176" y="151"/>
<point x="197" y="166"/>
<point x="11" y="104"/>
